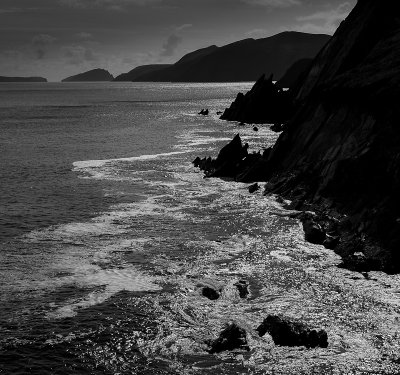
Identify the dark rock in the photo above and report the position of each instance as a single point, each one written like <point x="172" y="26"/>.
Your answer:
<point x="264" y="103"/>
<point x="204" y="112"/>
<point x="235" y="162"/>
<point x="356" y="262"/>
<point x="287" y="333"/>
<point x="255" y="129"/>
<point x="313" y="232"/>
<point x="253" y="188"/>
<point x="242" y="123"/>
<point x="232" y="337"/>
<point x="219" y="113"/>
<point x="277" y="128"/>
<point x="211" y="293"/>
<point x="243" y="288"/>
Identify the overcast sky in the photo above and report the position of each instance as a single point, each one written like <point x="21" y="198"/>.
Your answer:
<point x="58" y="38"/>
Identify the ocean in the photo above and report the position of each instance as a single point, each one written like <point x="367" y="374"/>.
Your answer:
<point x="108" y="235"/>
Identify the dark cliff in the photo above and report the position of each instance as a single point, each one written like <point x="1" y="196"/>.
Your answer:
<point x="95" y="75"/>
<point x="245" y="60"/>
<point x="296" y="72"/>
<point x="341" y="149"/>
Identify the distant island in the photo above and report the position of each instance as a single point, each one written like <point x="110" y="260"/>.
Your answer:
<point x="245" y="60"/>
<point x="95" y="75"/>
<point x="22" y="79"/>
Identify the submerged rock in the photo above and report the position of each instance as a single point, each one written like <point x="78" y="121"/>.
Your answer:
<point x="211" y="293"/>
<point x="287" y="333"/>
<point x="232" y="337"/>
<point x="243" y="288"/>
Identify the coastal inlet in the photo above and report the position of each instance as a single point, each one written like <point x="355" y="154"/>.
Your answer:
<point x="157" y="280"/>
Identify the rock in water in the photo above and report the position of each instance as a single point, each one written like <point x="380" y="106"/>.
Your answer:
<point x="211" y="293"/>
<point x="254" y="188"/>
<point x="287" y="333"/>
<point x="313" y="232"/>
<point x="232" y="337"/>
<point x="243" y="288"/>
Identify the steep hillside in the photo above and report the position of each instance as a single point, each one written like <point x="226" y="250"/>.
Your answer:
<point x="245" y="60"/>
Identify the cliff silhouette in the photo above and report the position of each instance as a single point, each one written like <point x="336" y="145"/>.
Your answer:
<point x="245" y="60"/>
<point x="95" y="75"/>
<point x="135" y="74"/>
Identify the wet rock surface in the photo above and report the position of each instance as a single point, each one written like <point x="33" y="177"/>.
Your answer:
<point x="287" y="333"/>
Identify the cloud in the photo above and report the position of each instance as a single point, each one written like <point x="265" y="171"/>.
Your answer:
<point x="325" y="21"/>
<point x="77" y="54"/>
<point x="174" y="40"/>
<point x="108" y="4"/>
<point x="257" y="33"/>
<point x="274" y="3"/>
<point x="171" y="44"/>
<point x="83" y="35"/>
<point x="41" y="44"/>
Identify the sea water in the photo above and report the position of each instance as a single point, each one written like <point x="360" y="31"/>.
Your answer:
<point x="108" y="233"/>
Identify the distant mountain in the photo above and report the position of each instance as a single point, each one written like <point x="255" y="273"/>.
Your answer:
<point x="134" y="74"/>
<point x="294" y="73"/>
<point x="245" y="60"/>
<point x="22" y="79"/>
<point x="95" y="75"/>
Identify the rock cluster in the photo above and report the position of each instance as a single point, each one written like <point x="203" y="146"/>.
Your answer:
<point x="231" y="338"/>
<point x="264" y="103"/>
<point x="233" y="161"/>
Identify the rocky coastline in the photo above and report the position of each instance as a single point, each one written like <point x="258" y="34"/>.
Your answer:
<point x="338" y="157"/>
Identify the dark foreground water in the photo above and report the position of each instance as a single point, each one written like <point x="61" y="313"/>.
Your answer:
<point x="107" y="234"/>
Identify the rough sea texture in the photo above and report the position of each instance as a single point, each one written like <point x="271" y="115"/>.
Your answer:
<point x="108" y="233"/>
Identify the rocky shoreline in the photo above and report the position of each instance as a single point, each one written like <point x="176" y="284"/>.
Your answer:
<point x="339" y="153"/>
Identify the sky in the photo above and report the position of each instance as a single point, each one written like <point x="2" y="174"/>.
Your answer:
<point x="58" y="38"/>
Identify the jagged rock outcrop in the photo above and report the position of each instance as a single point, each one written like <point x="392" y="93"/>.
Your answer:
<point x="264" y="103"/>
<point x="295" y="73"/>
<point x="95" y="75"/>
<point x="22" y="79"/>
<point x="234" y="162"/>
<point x="341" y="150"/>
